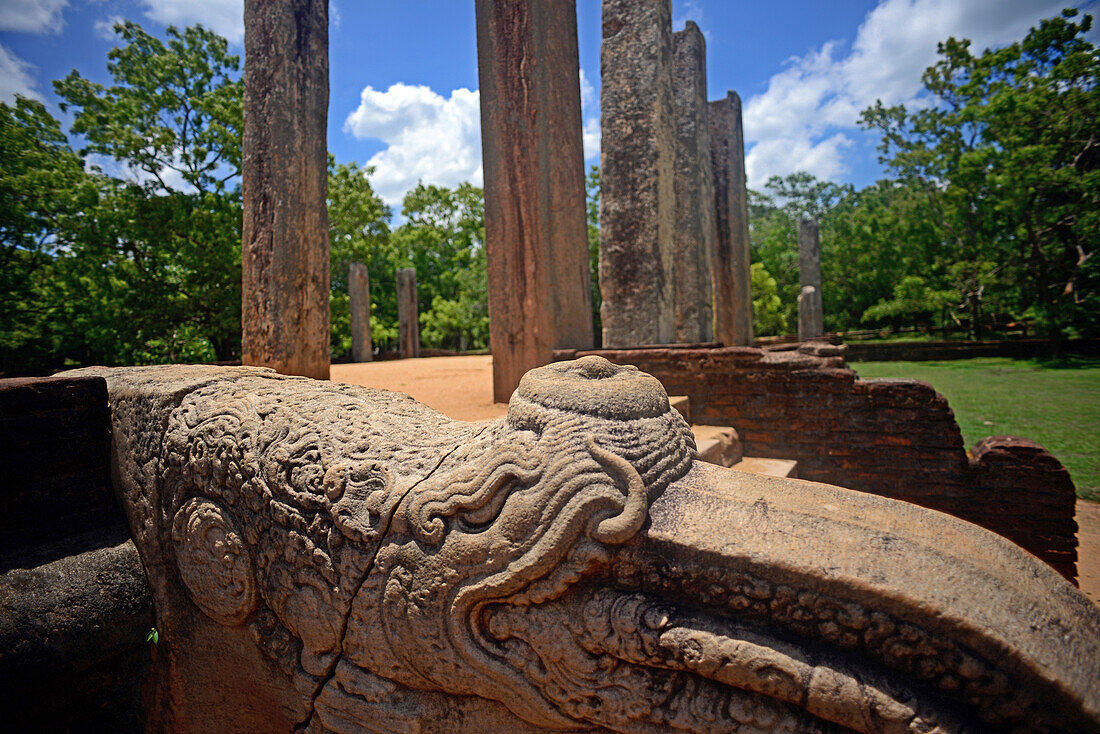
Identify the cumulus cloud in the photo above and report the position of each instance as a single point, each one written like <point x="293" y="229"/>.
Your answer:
<point x="15" y="77"/>
<point x="224" y="17"/>
<point x="429" y="137"/>
<point x="799" y="121"/>
<point x="32" y="16"/>
<point x="590" y="113"/>
<point x="105" y="28"/>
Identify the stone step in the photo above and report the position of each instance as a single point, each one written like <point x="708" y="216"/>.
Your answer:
<point x="681" y="403"/>
<point x="768" y="467"/>
<point x="717" y="444"/>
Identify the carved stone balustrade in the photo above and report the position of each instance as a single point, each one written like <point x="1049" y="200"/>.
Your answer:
<point x="333" y="558"/>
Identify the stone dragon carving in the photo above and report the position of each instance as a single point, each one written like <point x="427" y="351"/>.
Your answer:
<point x="328" y="558"/>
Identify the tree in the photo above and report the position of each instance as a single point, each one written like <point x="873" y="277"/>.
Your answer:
<point x="592" y="215"/>
<point x="768" y="317"/>
<point x="160" y="250"/>
<point x="1008" y="157"/>
<point x="773" y="232"/>
<point x="443" y="237"/>
<point x="43" y="187"/>
<point x="174" y="110"/>
<point x="359" y="231"/>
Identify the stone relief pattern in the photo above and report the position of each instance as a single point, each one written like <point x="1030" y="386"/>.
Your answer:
<point x="300" y="473"/>
<point x="939" y="663"/>
<point x="520" y="528"/>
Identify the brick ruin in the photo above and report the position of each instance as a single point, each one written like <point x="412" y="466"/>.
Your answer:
<point x="894" y="438"/>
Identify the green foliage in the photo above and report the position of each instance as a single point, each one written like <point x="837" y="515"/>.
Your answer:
<point x="43" y="188"/>
<point x="443" y="238"/>
<point x="359" y="231"/>
<point x="914" y="303"/>
<point x="114" y="270"/>
<point x="175" y="107"/>
<point x="1008" y="160"/>
<point x="768" y="317"/>
<point x="152" y="635"/>
<point x="592" y="214"/>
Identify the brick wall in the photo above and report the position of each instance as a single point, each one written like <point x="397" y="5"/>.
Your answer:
<point x="895" y="438"/>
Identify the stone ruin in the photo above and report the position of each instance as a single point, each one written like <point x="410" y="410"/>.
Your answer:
<point x="329" y="558"/>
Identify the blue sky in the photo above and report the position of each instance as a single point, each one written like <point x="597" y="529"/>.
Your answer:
<point x="403" y="73"/>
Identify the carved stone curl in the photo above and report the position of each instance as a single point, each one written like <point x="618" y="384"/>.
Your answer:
<point x="213" y="561"/>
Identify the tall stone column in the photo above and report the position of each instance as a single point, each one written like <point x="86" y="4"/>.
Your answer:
<point x="732" y="275"/>
<point x="637" y="160"/>
<point x="536" y="236"/>
<point x="284" y="247"/>
<point x="359" y="303"/>
<point x="408" y="324"/>
<point x="809" y="276"/>
<point x="695" y="231"/>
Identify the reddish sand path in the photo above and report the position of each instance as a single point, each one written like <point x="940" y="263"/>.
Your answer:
<point x="462" y="387"/>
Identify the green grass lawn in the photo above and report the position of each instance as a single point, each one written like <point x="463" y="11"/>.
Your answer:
<point x="1054" y="403"/>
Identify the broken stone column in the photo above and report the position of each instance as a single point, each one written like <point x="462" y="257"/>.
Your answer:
<point x="359" y="303"/>
<point x="637" y="194"/>
<point x="732" y="276"/>
<point x="408" y="326"/>
<point x="536" y="234"/>
<point x="810" y="309"/>
<point x="809" y="313"/>
<point x="695" y="231"/>
<point x="285" y="247"/>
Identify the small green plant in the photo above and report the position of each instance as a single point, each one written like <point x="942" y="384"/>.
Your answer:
<point x="152" y="635"/>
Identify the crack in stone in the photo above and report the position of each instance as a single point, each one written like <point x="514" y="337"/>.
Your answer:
<point x="331" y="673"/>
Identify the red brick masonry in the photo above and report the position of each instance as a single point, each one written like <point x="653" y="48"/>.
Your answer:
<point x="895" y="438"/>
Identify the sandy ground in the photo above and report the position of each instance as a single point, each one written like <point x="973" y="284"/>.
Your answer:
<point x="462" y="387"/>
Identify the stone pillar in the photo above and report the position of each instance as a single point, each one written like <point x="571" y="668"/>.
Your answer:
<point x="408" y="324"/>
<point x="637" y="160"/>
<point x="732" y="275"/>
<point x="359" y="302"/>
<point x="536" y="234"/>
<point x="695" y="231"/>
<point x="285" y="247"/>
<point x="733" y="294"/>
<point x="809" y="275"/>
<point x="809" y="313"/>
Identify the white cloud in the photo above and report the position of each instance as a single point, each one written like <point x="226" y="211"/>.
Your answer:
<point x="15" y="77"/>
<point x="799" y="121"/>
<point x="105" y="28"/>
<point x="689" y="10"/>
<point x="428" y="137"/>
<point x="224" y="17"/>
<point x="32" y="16"/>
<point x="590" y="139"/>
<point x="590" y="113"/>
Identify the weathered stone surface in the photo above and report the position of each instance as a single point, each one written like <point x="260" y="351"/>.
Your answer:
<point x="53" y="447"/>
<point x="73" y="654"/>
<point x="809" y="315"/>
<point x="359" y="300"/>
<point x="695" y="232"/>
<point x="408" y="314"/>
<point x="536" y="236"/>
<point x="284" y="247"/>
<point x="344" y="559"/>
<point x="809" y="275"/>
<point x="732" y="276"/>
<point x="637" y="164"/>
